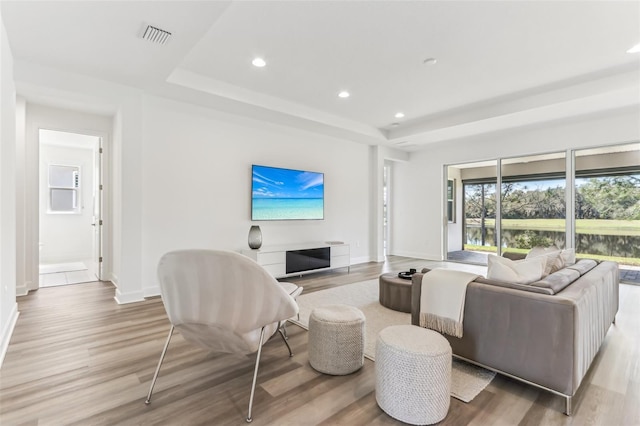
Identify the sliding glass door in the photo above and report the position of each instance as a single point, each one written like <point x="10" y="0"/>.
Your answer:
<point x="533" y="200"/>
<point x="471" y="229"/>
<point x="607" y="203"/>
<point x="514" y="204"/>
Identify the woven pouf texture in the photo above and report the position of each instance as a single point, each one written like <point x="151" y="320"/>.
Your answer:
<point x="336" y="339"/>
<point x="413" y="374"/>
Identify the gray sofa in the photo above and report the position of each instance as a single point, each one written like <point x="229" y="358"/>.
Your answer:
<point x="546" y="333"/>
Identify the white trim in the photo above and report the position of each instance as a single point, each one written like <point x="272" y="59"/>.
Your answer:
<point x="8" y="332"/>
<point x="497" y="226"/>
<point x="417" y="255"/>
<point x="23" y="289"/>
<point x="570" y="199"/>
<point x="151" y="291"/>
<point x="363" y="259"/>
<point x="124" y="298"/>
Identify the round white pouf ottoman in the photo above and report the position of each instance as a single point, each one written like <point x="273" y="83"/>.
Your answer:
<point x="413" y="374"/>
<point x="336" y="339"/>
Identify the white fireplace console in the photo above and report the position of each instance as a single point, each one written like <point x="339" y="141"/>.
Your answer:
<point x="297" y="259"/>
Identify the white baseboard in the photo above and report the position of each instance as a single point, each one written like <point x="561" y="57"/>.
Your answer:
<point x="124" y="298"/>
<point x="22" y="290"/>
<point x="151" y="291"/>
<point x="417" y="255"/>
<point x="114" y="279"/>
<point x="7" y="332"/>
<point x="363" y="259"/>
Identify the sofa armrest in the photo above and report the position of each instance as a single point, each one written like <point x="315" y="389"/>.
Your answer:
<point x="416" y="291"/>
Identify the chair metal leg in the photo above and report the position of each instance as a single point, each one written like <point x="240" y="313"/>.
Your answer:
<point x="284" y="329"/>
<point x="255" y="376"/>
<point x="155" y="376"/>
<point x="285" y="341"/>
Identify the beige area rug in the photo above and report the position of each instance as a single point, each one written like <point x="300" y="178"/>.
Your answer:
<point x="467" y="380"/>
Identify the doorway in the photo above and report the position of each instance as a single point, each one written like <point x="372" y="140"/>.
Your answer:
<point x="70" y="170"/>
<point x="386" y="184"/>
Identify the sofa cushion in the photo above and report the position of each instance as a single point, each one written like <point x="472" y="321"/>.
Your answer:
<point x="519" y="272"/>
<point x="558" y="280"/>
<point x="550" y="254"/>
<point x="583" y="266"/>
<point x="566" y="257"/>
<point x="522" y="287"/>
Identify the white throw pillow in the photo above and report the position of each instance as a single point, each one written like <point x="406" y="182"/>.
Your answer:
<point x="524" y="271"/>
<point x="549" y="253"/>
<point x="566" y="257"/>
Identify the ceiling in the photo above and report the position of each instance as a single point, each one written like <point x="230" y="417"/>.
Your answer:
<point x="499" y="65"/>
<point x="68" y="140"/>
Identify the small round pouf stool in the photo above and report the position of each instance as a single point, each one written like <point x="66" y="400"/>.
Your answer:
<point x="336" y="339"/>
<point x="413" y="374"/>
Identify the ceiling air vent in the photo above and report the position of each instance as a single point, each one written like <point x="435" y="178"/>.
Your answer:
<point x="156" y="35"/>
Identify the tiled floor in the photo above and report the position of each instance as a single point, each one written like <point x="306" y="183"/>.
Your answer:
<point x="628" y="274"/>
<point x="70" y="277"/>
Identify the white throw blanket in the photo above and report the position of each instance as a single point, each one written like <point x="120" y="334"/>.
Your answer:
<point x="442" y="300"/>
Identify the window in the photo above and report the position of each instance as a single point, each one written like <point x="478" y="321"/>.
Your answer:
<point x="593" y="207"/>
<point x="64" y="186"/>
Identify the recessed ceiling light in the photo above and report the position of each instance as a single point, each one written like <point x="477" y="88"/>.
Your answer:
<point x="430" y="61"/>
<point x="634" y="49"/>
<point x="259" y="62"/>
<point x="399" y="115"/>
<point x="344" y="94"/>
<point x="395" y="124"/>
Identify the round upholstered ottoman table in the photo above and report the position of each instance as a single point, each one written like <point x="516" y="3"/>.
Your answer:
<point x="395" y="292"/>
<point x="336" y="339"/>
<point x="413" y="374"/>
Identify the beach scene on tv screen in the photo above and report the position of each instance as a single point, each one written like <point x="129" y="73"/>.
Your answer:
<point x="280" y="194"/>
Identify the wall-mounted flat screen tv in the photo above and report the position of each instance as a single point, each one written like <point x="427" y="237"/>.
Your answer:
<point x="285" y="194"/>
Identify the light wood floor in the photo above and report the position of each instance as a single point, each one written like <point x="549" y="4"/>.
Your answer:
<point x="77" y="357"/>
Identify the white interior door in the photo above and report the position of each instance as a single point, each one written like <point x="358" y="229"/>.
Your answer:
<point x="96" y="222"/>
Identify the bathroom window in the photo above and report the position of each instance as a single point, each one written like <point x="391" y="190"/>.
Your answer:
<point x="64" y="189"/>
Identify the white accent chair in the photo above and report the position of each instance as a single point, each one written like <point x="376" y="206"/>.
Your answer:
<point x="222" y="301"/>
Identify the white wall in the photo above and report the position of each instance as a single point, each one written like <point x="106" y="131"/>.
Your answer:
<point x="127" y="199"/>
<point x="8" y="305"/>
<point x="66" y="237"/>
<point x="153" y="211"/>
<point x="196" y="183"/>
<point x="181" y="177"/>
<point x="381" y="156"/>
<point x="116" y="111"/>
<point x="24" y="275"/>
<point x="420" y="234"/>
